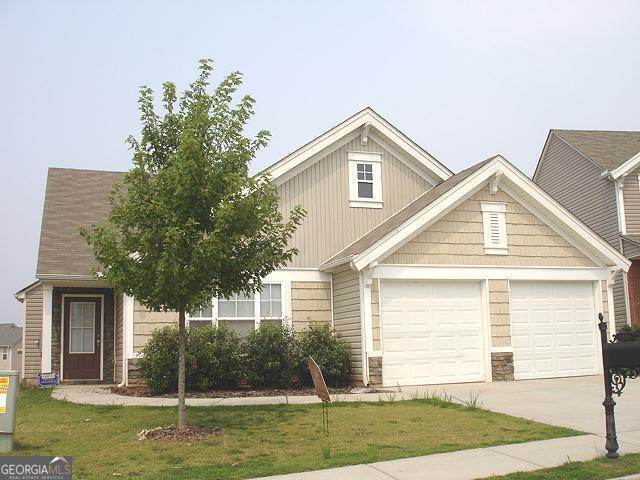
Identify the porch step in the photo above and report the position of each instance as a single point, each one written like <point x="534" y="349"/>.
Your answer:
<point x="85" y="382"/>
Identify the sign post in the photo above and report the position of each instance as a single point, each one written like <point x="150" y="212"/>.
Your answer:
<point x="322" y="391"/>
<point x="8" y="393"/>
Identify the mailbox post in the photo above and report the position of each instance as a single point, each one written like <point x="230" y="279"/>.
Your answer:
<point x="8" y="393"/>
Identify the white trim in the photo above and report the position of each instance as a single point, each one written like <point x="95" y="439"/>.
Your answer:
<point x="24" y="338"/>
<point x="62" y="333"/>
<point x="626" y="167"/>
<point x="610" y="308"/>
<point x="497" y="211"/>
<point x="508" y="349"/>
<point x="622" y="222"/>
<point x="485" y="308"/>
<point x="474" y="272"/>
<point x="128" y="303"/>
<point x="597" y="308"/>
<point x="563" y="221"/>
<point x="365" y="320"/>
<point x="297" y="275"/>
<point x="45" y="343"/>
<point x="366" y="204"/>
<point x="279" y="171"/>
<point x="373" y="159"/>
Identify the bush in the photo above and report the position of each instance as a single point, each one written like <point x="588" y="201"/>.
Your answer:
<point x="216" y="358"/>
<point x="270" y="356"/>
<point x="159" y="363"/>
<point x="331" y="353"/>
<point x="213" y="359"/>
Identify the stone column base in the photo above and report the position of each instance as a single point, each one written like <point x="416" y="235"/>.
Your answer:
<point x="502" y="366"/>
<point x="375" y="371"/>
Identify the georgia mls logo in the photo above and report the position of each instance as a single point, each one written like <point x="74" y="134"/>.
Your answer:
<point x="35" y="468"/>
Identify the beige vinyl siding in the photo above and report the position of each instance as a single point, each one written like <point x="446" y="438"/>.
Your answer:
<point x="458" y="239"/>
<point x="346" y="316"/>
<point x="145" y="322"/>
<point x="619" y="304"/>
<point x="631" y="194"/>
<point x="310" y="303"/>
<point x="118" y="337"/>
<point x="375" y="314"/>
<point x="575" y="182"/>
<point x="33" y="333"/>
<point x="499" y="313"/>
<point x="323" y="190"/>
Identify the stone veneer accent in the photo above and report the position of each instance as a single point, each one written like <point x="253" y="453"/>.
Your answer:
<point x="502" y="365"/>
<point x="375" y="371"/>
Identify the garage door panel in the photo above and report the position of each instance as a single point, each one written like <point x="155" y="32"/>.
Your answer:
<point x="442" y="331"/>
<point x="553" y="329"/>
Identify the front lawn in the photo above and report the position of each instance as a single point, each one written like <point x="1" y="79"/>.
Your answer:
<point x="257" y="440"/>
<point x="600" y="469"/>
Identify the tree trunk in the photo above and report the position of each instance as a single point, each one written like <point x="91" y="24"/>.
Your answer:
<point x="182" y="346"/>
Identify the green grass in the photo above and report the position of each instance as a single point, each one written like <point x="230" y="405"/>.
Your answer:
<point x="600" y="469"/>
<point x="257" y="440"/>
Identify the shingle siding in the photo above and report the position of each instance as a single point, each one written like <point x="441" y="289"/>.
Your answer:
<point x="310" y="303"/>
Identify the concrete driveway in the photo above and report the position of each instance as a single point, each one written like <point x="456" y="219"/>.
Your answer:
<point x="574" y="402"/>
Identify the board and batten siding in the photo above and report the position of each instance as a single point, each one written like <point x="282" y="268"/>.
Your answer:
<point x="118" y="337"/>
<point x="32" y="333"/>
<point x="145" y="322"/>
<point x="310" y="303"/>
<point x="346" y="316"/>
<point x="576" y="183"/>
<point x="458" y="239"/>
<point x="323" y="191"/>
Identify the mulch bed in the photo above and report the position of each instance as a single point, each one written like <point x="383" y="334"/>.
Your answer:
<point x="139" y="391"/>
<point x="190" y="432"/>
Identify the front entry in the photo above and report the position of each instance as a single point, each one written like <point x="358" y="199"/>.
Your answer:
<point x="82" y="340"/>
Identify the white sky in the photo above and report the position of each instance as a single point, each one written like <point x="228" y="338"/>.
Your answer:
<point x="464" y="79"/>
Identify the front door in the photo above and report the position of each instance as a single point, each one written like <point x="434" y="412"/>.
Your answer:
<point x="82" y="327"/>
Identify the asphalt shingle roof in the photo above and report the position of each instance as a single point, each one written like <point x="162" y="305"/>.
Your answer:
<point x="74" y="198"/>
<point x="609" y="149"/>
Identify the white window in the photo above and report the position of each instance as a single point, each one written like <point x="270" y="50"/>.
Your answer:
<point x="244" y="312"/>
<point x="495" y="228"/>
<point x="83" y="323"/>
<point x="5" y="353"/>
<point x="365" y="179"/>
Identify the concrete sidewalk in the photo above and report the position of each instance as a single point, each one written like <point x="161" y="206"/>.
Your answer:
<point x="472" y="464"/>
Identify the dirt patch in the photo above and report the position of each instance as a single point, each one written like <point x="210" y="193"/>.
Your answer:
<point x="190" y="432"/>
<point x="272" y="392"/>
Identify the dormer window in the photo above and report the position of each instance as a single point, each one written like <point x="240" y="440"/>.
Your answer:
<point x="365" y="180"/>
<point x="495" y="228"/>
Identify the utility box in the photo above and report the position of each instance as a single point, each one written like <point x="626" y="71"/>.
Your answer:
<point x="8" y="392"/>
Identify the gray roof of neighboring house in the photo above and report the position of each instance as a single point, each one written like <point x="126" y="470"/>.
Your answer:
<point x="397" y="219"/>
<point x="74" y="198"/>
<point x="10" y="334"/>
<point x="608" y="149"/>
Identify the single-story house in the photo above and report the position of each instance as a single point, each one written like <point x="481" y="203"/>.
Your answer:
<point x="10" y="347"/>
<point x="432" y="277"/>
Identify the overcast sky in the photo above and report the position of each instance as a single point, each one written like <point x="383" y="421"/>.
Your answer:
<point x="465" y="80"/>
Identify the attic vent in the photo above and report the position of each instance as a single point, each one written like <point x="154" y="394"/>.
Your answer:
<point x="495" y="228"/>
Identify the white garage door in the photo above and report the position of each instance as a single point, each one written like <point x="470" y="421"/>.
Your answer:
<point x="431" y="332"/>
<point x="553" y="329"/>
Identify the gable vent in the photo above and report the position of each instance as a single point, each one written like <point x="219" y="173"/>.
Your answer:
<point x="495" y="228"/>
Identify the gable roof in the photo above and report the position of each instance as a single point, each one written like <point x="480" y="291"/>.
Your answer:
<point x="360" y="123"/>
<point x="607" y="149"/>
<point x="434" y="204"/>
<point x="10" y="334"/>
<point x="73" y="198"/>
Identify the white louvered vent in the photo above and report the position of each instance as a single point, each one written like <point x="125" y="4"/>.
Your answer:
<point x="495" y="228"/>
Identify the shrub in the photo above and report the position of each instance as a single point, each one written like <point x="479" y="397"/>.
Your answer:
<point x="213" y="359"/>
<point x="159" y="361"/>
<point x="216" y="354"/>
<point x="270" y="358"/>
<point x="331" y="353"/>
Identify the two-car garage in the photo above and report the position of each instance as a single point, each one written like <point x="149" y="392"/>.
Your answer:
<point x="436" y="332"/>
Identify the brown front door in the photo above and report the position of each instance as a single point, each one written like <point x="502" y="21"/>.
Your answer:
<point x="82" y="327"/>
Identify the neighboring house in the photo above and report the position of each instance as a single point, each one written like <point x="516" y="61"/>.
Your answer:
<point x="594" y="174"/>
<point x="10" y="347"/>
<point x="431" y="277"/>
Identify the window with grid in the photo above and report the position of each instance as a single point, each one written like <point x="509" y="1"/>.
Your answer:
<point x="365" y="180"/>
<point x="5" y="353"/>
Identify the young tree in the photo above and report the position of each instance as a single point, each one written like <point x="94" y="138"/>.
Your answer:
<point x="190" y="223"/>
